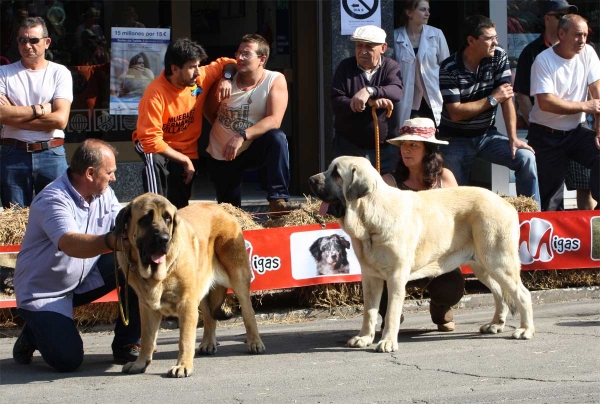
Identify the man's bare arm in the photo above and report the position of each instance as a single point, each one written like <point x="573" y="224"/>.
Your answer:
<point x="509" y="113"/>
<point x="553" y="104"/>
<point x="56" y="118"/>
<point x="459" y="111"/>
<point x="276" y="105"/>
<point x="13" y="115"/>
<point x="524" y="106"/>
<point x="87" y="245"/>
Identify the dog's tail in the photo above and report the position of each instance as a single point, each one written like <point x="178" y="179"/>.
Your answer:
<point x="216" y="300"/>
<point x="510" y="302"/>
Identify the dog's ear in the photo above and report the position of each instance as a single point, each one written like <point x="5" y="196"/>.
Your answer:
<point x="122" y="222"/>
<point x="175" y="224"/>
<point x="345" y="243"/>
<point x="315" y="249"/>
<point x="358" y="186"/>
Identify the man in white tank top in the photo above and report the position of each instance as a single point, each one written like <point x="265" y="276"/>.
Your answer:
<point x="561" y="77"/>
<point x="35" y="101"/>
<point x="245" y="132"/>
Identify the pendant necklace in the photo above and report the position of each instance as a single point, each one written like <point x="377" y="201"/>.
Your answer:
<point x="254" y="88"/>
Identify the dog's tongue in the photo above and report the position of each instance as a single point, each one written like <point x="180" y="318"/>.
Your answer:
<point x="323" y="208"/>
<point x="158" y="258"/>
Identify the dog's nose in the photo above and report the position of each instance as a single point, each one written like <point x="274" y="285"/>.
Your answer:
<point x="313" y="182"/>
<point x="161" y="237"/>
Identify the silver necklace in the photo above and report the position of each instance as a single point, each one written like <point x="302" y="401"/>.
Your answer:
<point x="250" y="95"/>
<point x="254" y="88"/>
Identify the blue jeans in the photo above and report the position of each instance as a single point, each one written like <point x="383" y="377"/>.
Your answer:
<point x="56" y="337"/>
<point x="268" y="152"/>
<point x="493" y="147"/>
<point x="23" y="174"/>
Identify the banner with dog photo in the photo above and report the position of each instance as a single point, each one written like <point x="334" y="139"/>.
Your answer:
<point x="289" y="257"/>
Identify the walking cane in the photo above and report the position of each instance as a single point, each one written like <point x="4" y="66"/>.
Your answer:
<point x="376" y="124"/>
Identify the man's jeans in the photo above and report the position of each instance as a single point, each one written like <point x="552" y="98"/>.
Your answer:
<point x="22" y="173"/>
<point x="493" y="147"/>
<point x="56" y="336"/>
<point x="268" y="152"/>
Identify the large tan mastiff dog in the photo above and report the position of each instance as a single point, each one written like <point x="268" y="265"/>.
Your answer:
<point x="181" y="260"/>
<point x="399" y="236"/>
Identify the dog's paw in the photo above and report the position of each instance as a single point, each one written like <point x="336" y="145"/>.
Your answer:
<point x="387" y="345"/>
<point x="523" y="333"/>
<point x="491" y="328"/>
<point x="256" y="347"/>
<point x="360" y="342"/>
<point x="180" y="371"/>
<point x="135" y="367"/>
<point x="207" y="348"/>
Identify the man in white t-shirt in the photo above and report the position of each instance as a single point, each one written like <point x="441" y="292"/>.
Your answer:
<point x="35" y="101"/>
<point x="245" y="132"/>
<point x="561" y="77"/>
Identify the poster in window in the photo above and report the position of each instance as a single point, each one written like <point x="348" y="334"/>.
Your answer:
<point x="137" y="59"/>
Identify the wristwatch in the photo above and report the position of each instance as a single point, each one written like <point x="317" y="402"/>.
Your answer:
<point x="492" y="100"/>
<point x="370" y="90"/>
<point x="227" y="76"/>
<point x="243" y="134"/>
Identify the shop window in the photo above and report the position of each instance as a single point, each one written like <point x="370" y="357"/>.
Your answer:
<point x="80" y="33"/>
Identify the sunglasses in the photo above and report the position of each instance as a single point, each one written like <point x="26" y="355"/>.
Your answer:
<point x="557" y="16"/>
<point x="32" y="41"/>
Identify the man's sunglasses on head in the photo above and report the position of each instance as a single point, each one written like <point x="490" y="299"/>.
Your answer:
<point x="32" y="41"/>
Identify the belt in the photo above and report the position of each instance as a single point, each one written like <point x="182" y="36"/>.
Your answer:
<point x="33" y="147"/>
<point x="550" y="130"/>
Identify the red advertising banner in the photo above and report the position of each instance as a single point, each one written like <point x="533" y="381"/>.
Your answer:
<point x="289" y="257"/>
<point x="560" y="240"/>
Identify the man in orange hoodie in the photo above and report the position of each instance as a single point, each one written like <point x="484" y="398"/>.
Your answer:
<point x="170" y="118"/>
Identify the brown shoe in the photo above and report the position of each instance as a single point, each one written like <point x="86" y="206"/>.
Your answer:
<point x="447" y="327"/>
<point x="282" y="206"/>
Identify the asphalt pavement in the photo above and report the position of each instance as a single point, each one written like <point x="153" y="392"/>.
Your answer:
<point x="307" y="361"/>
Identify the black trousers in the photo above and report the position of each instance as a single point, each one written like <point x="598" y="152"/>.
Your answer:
<point x="552" y="154"/>
<point x="444" y="292"/>
<point x="165" y="177"/>
<point x="268" y="152"/>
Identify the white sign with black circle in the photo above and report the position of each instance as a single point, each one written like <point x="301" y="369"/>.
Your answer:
<point x="356" y="13"/>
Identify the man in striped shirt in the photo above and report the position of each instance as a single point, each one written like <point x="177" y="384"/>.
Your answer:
<point x="473" y="82"/>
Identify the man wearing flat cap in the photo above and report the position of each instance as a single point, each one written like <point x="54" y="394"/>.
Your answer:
<point x="578" y="177"/>
<point x="360" y="82"/>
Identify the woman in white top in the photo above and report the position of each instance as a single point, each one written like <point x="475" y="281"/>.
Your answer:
<point x="419" y="49"/>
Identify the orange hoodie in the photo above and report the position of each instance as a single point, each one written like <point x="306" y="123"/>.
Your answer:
<point x="173" y="117"/>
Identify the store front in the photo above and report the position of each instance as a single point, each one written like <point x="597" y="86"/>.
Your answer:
<point x="306" y="46"/>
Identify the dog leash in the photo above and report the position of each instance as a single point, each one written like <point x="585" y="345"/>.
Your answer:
<point x="124" y="316"/>
<point x="376" y="125"/>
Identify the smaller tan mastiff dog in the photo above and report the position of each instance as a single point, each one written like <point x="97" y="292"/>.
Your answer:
<point x="180" y="260"/>
<point x="399" y="236"/>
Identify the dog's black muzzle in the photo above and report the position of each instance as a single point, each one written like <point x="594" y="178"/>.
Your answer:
<point x="317" y="184"/>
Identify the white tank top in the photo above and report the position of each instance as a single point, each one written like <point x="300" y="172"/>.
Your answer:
<point x="240" y="111"/>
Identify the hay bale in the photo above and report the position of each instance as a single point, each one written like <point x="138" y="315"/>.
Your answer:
<point x="13" y="221"/>
<point x="522" y="203"/>
<point x="245" y="219"/>
<point x="307" y="214"/>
